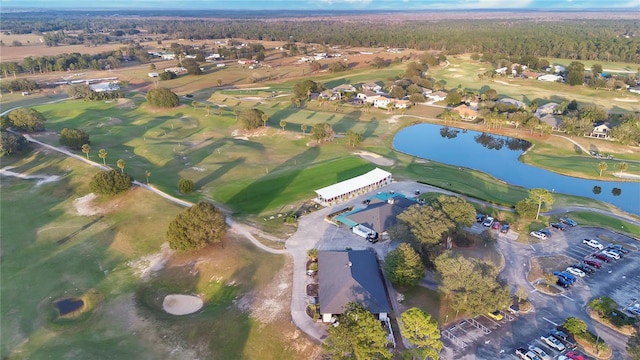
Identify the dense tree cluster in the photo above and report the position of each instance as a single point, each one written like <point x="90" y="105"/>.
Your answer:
<point x="110" y="183"/>
<point x="422" y="332"/>
<point x="162" y="97"/>
<point x="196" y="227"/>
<point x="322" y="132"/>
<point x="359" y="335"/>
<point x="11" y="143"/>
<point x="403" y="266"/>
<point x="303" y="89"/>
<point x="18" y="85"/>
<point x="83" y="91"/>
<point x="26" y="119"/>
<point x="168" y="75"/>
<point x="251" y="118"/>
<point x="471" y="284"/>
<point x="73" y="138"/>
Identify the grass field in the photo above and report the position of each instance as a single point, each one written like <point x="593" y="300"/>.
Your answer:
<point x="50" y="251"/>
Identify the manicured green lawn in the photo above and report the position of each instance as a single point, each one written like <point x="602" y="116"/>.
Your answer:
<point x="600" y="220"/>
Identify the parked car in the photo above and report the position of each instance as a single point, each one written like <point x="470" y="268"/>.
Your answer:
<point x="593" y="243"/>
<point x="574" y="271"/>
<point x="565" y="276"/>
<point x="488" y="221"/>
<point x="574" y="356"/>
<point x="602" y="257"/>
<point x="586" y="269"/>
<point x="618" y="248"/>
<point x="521" y="352"/>
<point x="568" y="221"/>
<point x="514" y="308"/>
<point x="372" y="238"/>
<point x="634" y="309"/>
<point x="480" y="218"/>
<point x="552" y="342"/>
<point x="538" y="234"/>
<point x="530" y="355"/>
<point x="543" y="355"/>
<point x="559" y="226"/>
<point x="562" y="336"/>
<point x="504" y="228"/>
<point x="620" y="253"/>
<point x="495" y="315"/>
<point x="612" y="254"/>
<point x="496" y="225"/>
<point x="562" y="282"/>
<point x="546" y="232"/>
<point x="594" y="263"/>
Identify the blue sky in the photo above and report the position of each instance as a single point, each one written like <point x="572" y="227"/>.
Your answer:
<point x="325" y="4"/>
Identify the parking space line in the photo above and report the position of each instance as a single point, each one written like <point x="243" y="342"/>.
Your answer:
<point x="565" y="296"/>
<point x="552" y="323"/>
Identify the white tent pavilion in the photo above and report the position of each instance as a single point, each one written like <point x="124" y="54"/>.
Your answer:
<point x="347" y="189"/>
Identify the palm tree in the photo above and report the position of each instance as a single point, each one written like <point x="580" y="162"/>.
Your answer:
<point x="219" y="81"/>
<point x="623" y="166"/>
<point x="120" y="163"/>
<point x="85" y="149"/>
<point x="208" y="108"/>
<point x="194" y="104"/>
<point x="283" y="124"/>
<point x="602" y="166"/>
<point x="102" y="153"/>
<point x="236" y="113"/>
<point x="147" y="173"/>
<point x="303" y="127"/>
<point x="265" y="118"/>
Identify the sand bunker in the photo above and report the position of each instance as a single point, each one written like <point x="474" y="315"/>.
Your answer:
<point x="84" y="207"/>
<point x="43" y="179"/>
<point x="505" y="83"/>
<point x="452" y="69"/>
<point x="374" y="158"/>
<point x="176" y="304"/>
<point x="626" y="100"/>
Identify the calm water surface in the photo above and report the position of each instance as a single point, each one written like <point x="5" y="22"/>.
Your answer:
<point x="498" y="156"/>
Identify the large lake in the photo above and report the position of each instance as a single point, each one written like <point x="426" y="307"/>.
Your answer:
<point x="498" y="156"/>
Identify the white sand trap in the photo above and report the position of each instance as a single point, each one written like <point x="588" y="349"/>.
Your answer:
<point x="626" y="100"/>
<point x="84" y="207"/>
<point x="374" y="158"/>
<point x="176" y="304"/>
<point x="452" y="69"/>
<point x="457" y="75"/>
<point x="626" y="176"/>
<point x="505" y="83"/>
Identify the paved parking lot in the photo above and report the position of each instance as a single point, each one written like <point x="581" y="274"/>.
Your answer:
<point x="620" y="280"/>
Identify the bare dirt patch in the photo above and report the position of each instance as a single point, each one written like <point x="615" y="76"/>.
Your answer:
<point x="125" y="104"/>
<point x="148" y="265"/>
<point x="626" y="100"/>
<point x="43" y="179"/>
<point x="110" y="121"/>
<point x="547" y="264"/>
<point x="271" y="302"/>
<point x="84" y="205"/>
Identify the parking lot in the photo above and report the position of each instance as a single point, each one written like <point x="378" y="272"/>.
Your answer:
<point x="619" y="280"/>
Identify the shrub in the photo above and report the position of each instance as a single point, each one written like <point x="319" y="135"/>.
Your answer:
<point x="196" y="227"/>
<point x="186" y="186"/>
<point x="27" y="119"/>
<point x="12" y="143"/>
<point x="251" y="118"/>
<point x="110" y="183"/>
<point x="168" y="75"/>
<point x="74" y="138"/>
<point x="162" y="97"/>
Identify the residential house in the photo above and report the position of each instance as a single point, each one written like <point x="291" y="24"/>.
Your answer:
<point x="635" y="89"/>
<point x="381" y="101"/>
<point x="546" y="109"/>
<point x="105" y="87"/>
<point x="438" y="96"/>
<point x="425" y="91"/>
<point x="402" y="104"/>
<point x="344" y="88"/>
<point x="466" y="113"/>
<point x="551" y="78"/>
<point x="371" y="86"/>
<point x="153" y="74"/>
<point x="367" y="96"/>
<point x="601" y="130"/>
<point x="177" y="70"/>
<point x="329" y="95"/>
<point x="510" y="101"/>
<point x="530" y="74"/>
<point x="350" y="276"/>
<point x="554" y="122"/>
<point x="167" y="56"/>
<point x="501" y="71"/>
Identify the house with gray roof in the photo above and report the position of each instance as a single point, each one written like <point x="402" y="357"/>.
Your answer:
<point x="351" y="276"/>
<point x="380" y="215"/>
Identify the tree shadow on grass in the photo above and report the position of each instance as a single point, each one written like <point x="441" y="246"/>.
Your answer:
<point x="258" y="195"/>
<point x="226" y="167"/>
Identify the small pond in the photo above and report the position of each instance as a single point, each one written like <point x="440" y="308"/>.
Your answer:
<point x="498" y="156"/>
<point x="68" y="305"/>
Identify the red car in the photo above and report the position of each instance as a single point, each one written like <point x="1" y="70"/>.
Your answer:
<point x="496" y="225"/>
<point x="595" y="264"/>
<point x="574" y="356"/>
<point x="602" y="257"/>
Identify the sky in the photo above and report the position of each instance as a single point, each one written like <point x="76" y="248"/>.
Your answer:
<point x="324" y="4"/>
